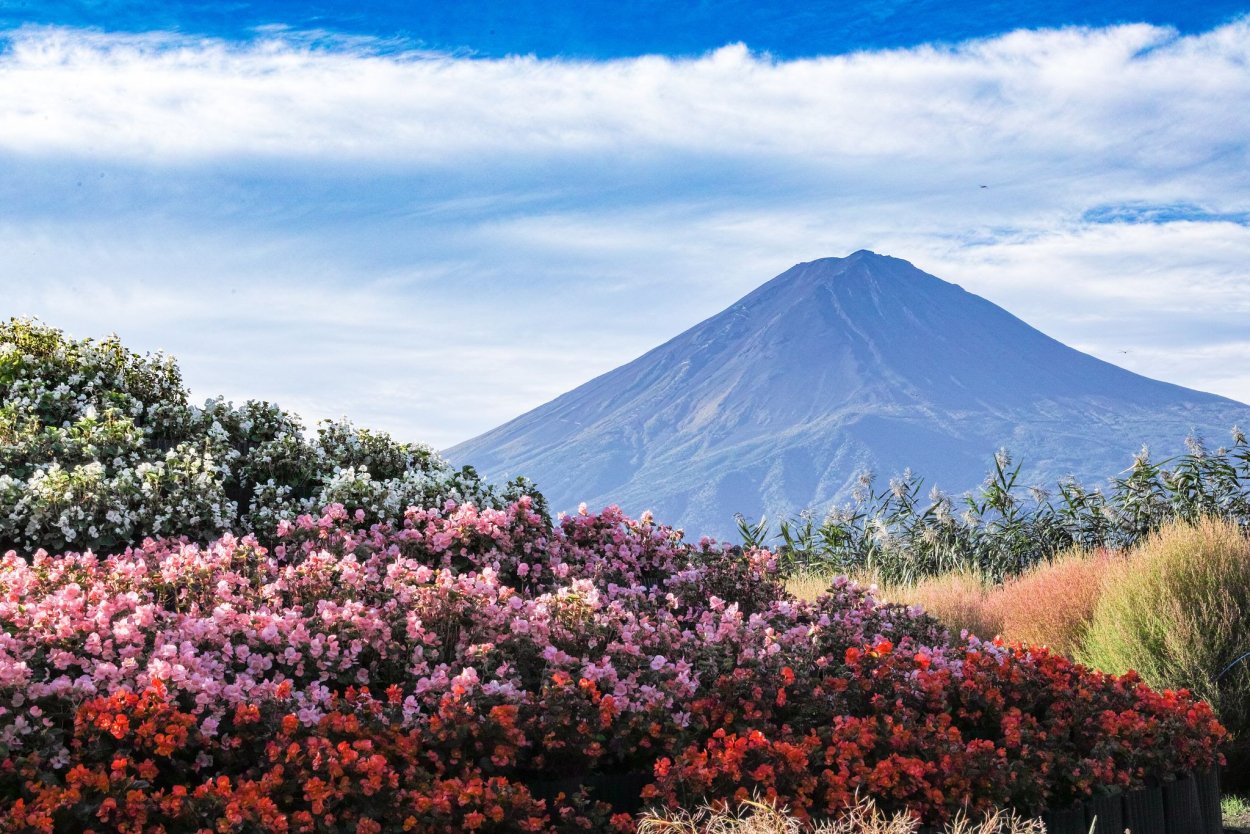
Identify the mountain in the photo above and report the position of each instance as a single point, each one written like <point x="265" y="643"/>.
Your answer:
<point x="836" y="366"/>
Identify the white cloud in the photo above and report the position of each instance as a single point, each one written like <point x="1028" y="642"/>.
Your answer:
<point x="1127" y="95"/>
<point x="1170" y="301"/>
<point x="434" y="244"/>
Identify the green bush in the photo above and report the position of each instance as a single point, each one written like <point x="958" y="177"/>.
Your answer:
<point x="100" y="448"/>
<point x="1178" y="611"/>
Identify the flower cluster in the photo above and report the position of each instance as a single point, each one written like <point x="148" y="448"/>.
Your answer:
<point x="142" y="764"/>
<point x="937" y="735"/>
<point x="424" y="676"/>
<point x="100" y="448"/>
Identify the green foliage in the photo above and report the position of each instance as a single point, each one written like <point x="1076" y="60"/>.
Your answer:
<point x="1175" y="610"/>
<point x="1236" y="810"/>
<point x="1003" y="529"/>
<point x="100" y="448"/>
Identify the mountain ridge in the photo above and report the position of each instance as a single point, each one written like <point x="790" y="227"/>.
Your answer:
<point x="776" y="403"/>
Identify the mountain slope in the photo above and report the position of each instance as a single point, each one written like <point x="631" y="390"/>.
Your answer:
<point x="837" y="365"/>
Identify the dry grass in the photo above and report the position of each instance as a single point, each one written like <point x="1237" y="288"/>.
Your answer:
<point x="750" y="817"/>
<point x="999" y="822"/>
<point x="961" y="601"/>
<point x="1053" y="604"/>
<point x="808" y="585"/>
<point x="763" y="817"/>
<point x="958" y="600"/>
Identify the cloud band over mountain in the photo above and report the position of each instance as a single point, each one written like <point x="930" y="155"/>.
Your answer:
<point x="301" y="171"/>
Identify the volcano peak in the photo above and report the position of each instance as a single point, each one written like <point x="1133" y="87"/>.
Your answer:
<point x="837" y="365"/>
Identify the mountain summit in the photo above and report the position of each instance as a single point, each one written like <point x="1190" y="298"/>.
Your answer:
<point x="836" y="366"/>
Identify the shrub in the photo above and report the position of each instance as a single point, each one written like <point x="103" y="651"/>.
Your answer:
<point x="442" y="666"/>
<point x="355" y="769"/>
<point x="1052" y="603"/>
<point x="937" y="736"/>
<point x="1175" y="611"/>
<point x="100" y="448"/>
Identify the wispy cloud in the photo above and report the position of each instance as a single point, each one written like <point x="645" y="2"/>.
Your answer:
<point x="434" y="244"/>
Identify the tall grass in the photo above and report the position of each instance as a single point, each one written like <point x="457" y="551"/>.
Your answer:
<point x="1178" y="611"/>
<point x="1052" y="604"/>
<point x="1003" y="528"/>
<point x="957" y="599"/>
<point x="960" y="600"/>
<point x="809" y="584"/>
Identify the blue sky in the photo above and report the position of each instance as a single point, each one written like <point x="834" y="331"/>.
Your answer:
<point x="431" y="218"/>
<point x="598" y="30"/>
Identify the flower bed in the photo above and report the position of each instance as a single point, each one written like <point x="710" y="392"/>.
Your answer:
<point x="422" y="678"/>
